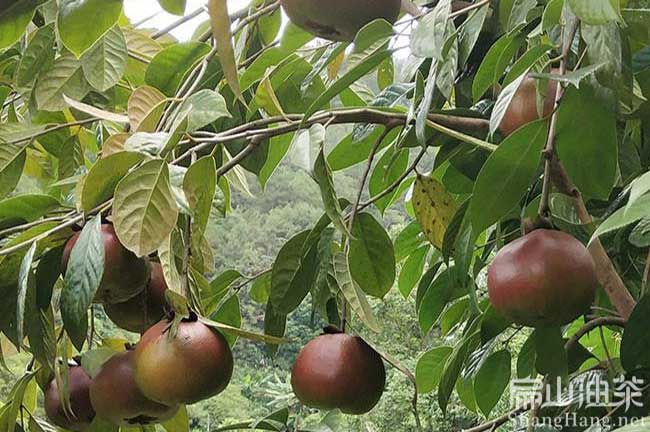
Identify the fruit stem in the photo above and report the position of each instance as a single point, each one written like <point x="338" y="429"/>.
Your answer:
<point x="549" y="151"/>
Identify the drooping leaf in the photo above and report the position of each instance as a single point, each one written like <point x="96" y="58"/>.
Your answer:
<point x="82" y="278"/>
<point x="220" y="24"/>
<point x="352" y="293"/>
<point x="430" y="367"/>
<point x="200" y="186"/>
<point x="323" y="176"/>
<point x="635" y="338"/>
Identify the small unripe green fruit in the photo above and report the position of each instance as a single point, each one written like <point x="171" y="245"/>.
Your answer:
<point x="117" y="398"/>
<point x="79" y="392"/>
<point x="544" y="278"/>
<point x="145" y="309"/>
<point x="339" y="371"/>
<point x="125" y="275"/>
<point x="339" y="20"/>
<point x="188" y="367"/>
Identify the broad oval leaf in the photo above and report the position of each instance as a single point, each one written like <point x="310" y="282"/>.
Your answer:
<point x="103" y="177"/>
<point x="506" y="175"/>
<point x="430" y="367"/>
<point x="170" y="65"/>
<point x="65" y="77"/>
<point x="372" y="258"/>
<point x="105" y="62"/>
<point x="491" y="380"/>
<point x="14" y="19"/>
<point x="144" y="208"/>
<point x="82" y="22"/>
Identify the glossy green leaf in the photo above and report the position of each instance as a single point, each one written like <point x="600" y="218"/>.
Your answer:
<point x="430" y="367"/>
<point x="323" y="176"/>
<point x="635" y="338"/>
<point x="176" y="7"/>
<point x="14" y="19"/>
<point x="596" y="11"/>
<point x="506" y="175"/>
<point x="492" y="380"/>
<point x="495" y="63"/>
<point x="75" y="18"/>
<point x="411" y="271"/>
<point x="170" y="65"/>
<point x="99" y="185"/>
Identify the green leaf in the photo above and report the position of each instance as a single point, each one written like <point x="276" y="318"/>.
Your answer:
<point x="352" y="293"/>
<point x="596" y="11"/>
<point x="204" y="107"/>
<point x="323" y="176"/>
<point x="389" y="168"/>
<point x="504" y="101"/>
<point x="221" y="31"/>
<point x="526" y="61"/>
<point x="293" y="274"/>
<point x="176" y="7"/>
<point x="229" y="313"/>
<point x="623" y="217"/>
<point x="169" y="66"/>
<point x="634" y="352"/>
<point x="103" y="177"/>
<point x="411" y="271"/>
<point x="365" y="66"/>
<point x="491" y="380"/>
<point x="434" y="208"/>
<point x="82" y="22"/>
<point x="588" y="150"/>
<point x="65" y="77"/>
<point x="24" y="279"/>
<point x="144" y="209"/>
<point x="573" y="77"/>
<point x="25" y="208"/>
<point x="180" y="422"/>
<point x="430" y="367"/>
<point x="495" y="63"/>
<point x="551" y="358"/>
<point x="436" y="297"/>
<point x="527" y="359"/>
<point x="274" y="325"/>
<point x="105" y="62"/>
<point x="14" y="20"/>
<point x="429" y="36"/>
<point x="278" y="149"/>
<point x="38" y="57"/>
<point x="371" y="258"/>
<point x="453" y="368"/>
<point x="200" y="186"/>
<point x="82" y="278"/>
<point x="506" y="175"/>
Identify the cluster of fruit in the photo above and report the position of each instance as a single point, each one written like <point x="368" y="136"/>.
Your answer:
<point x="170" y="365"/>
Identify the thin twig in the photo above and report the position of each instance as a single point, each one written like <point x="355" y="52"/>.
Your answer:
<point x="162" y="32"/>
<point x="53" y="129"/>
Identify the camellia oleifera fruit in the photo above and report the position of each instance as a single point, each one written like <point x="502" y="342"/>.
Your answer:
<point x="544" y="278"/>
<point x="339" y="371"/>
<point x="125" y="275"/>
<point x="145" y="309"/>
<point x="192" y="365"/>
<point x="339" y="20"/>
<point x="117" y="398"/>
<point x="79" y="393"/>
<point x="523" y="107"/>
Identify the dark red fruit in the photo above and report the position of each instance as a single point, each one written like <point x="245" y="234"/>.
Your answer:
<point x="339" y="19"/>
<point x="543" y="278"/>
<point x="125" y="275"/>
<point x="339" y="371"/>
<point x="145" y="309"/>
<point x="194" y="365"/>
<point x="523" y="107"/>
<point x="116" y="397"/>
<point x="82" y="410"/>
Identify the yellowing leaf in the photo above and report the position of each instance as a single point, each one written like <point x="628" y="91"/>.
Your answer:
<point x="434" y="208"/>
<point x="142" y="101"/>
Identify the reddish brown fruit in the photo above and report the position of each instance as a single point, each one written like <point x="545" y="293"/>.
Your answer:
<point x="339" y="19"/>
<point x="145" y="309"/>
<point x="523" y="107"/>
<point x="116" y="397"/>
<point x="543" y="278"/>
<point x="194" y="365"/>
<point x="125" y="275"/>
<point x="82" y="410"/>
<point x="339" y="371"/>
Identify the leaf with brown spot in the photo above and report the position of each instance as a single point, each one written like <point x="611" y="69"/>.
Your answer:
<point x="434" y="208"/>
